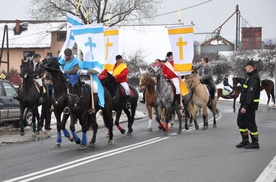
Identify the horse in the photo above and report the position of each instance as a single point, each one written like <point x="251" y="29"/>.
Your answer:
<point x="59" y="98"/>
<point x="165" y="98"/>
<point x="118" y="100"/>
<point x="80" y="106"/>
<point x="147" y="85"/>
<point x="267" y="85"/>
<point x="28" y="95"/>
<point x="201" y="99"/>
<point x="234" y="96"/>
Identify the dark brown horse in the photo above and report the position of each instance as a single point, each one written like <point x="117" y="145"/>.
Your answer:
<point x="147" y="85"/>
<point x="267" y="85"/>
<point x="234" y="96"/>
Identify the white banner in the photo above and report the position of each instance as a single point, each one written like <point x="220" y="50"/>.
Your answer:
<point x="182" y="44"/>
<point x="111" y="42"/>
<point x="90" y="40"/>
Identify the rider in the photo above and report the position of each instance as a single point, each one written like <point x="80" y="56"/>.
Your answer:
<point x="168" y="70"/>
<point x="37" y="74"/>
<point x="120" y="72"/>
<point x="70" y="64"/>
<point x="205" y="74"/>
<point x="227" y="86"/>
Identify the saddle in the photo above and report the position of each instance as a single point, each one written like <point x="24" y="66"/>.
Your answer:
<point x="122" y="91"/>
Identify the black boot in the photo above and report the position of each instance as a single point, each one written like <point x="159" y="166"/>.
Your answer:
<point x="128" y="105"/>
<point x="40" y="99"/>
<point x="254" y="144"/>
<point x="245" y="139"/>
<point x="143" y="99"/>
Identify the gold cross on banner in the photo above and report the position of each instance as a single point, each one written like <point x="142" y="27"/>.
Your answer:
<point x="78" y="5"/>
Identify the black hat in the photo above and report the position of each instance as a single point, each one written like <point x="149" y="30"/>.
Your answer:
<point x="68" y="52"/>
<point x="118" y="57"/>
<point x="169" y="54"/>
<point x="251" y="63"/>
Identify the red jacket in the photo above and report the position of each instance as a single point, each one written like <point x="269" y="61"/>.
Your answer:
<point x="168" y="72"/>
<point x="122" y="77"/>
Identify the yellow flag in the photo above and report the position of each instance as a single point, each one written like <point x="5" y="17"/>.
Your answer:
<point x="183" y="88"/>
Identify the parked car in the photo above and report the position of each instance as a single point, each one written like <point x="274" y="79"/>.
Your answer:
<point x="9" y="105"/>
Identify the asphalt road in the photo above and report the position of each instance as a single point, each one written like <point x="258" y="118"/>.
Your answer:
<point x="193" y="156"/>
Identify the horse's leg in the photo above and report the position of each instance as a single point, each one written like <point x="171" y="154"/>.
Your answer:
<point x="108" y="120"/>
<point x="129" y="119"/>
<point x="118" y="115"/>
<point x="22" y="118"/>
<point x="149" y="108"/>
<point x="63" y="128"/>
<point x="178" y="112"/>
<point x="234" y="104"/>
<point x="84" y="128"/>
<point x="92" y="120"/>
<point x="268" y="96"/>
<point x="73" y="130"/>
<point x="158" y="118"/>
<point x="168" y="115"/>
<point x="205" y="118"/>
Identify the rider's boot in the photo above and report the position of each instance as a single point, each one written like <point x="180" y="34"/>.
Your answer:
<point x="128" y="105"/>
<point x="40" y="99"/>
<point x="254" y="144"/>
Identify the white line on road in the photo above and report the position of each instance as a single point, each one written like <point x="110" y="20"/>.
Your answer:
<point x="82" y="161"/>
<point x="269" y="173"/>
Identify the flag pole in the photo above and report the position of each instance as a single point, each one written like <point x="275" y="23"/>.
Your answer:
<point x="179" y="77"/>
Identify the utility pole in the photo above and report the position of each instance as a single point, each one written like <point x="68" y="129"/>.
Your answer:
<point x="237" y="27"/>
<point x="5" y="34"/>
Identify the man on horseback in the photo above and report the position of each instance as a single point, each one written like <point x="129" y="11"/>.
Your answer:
<point x="120" y="72"/>
<point x="37" y="74"/>
<point x="206" y="76"/>
<point x="70" y="64"/>
<point x="227" y="86"/>
<point x="168" y="70"/>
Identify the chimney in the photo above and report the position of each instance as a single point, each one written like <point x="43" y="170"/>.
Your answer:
<point x="17" y="27"/>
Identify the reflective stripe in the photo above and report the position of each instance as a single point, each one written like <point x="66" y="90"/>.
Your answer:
<point x="256" y="100"/>
<point x="245" y="86"/>
<point x="254" y="133"/>
<point x="243" y="130"/>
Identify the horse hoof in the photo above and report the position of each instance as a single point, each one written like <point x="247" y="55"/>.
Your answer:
<point x="83" y="146"/>
<point x="197" y="127"/>
<point x="165" y="134"/>
<point x="70" y="138"/>
<point x="186" y="128"/>
<point x="204" y="128"/>
<point x="57" y="145"/>
<point x="123" y="131"/>
<point x="22" y="133"/>
<point x="149" y="129"/>
<point x="91" y="144"/>
<point x="128" y="134"/>
<point x="110" y="142"/>
<point x="78" y="141"/>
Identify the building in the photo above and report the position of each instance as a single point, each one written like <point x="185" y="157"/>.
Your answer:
<point x="251" y="38"/>
<point x="26" y="38"/>
<point x="215" y="45"/>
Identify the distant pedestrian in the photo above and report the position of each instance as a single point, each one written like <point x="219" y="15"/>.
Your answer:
<point x="46" y="106"/>
<point x="249" y="100"/>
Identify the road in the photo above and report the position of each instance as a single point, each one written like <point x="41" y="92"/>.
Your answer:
<point x="195" y="155"/>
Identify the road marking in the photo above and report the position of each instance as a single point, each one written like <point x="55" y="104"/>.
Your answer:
<point x="269" y="173"/>
<point x="85" y="160"/>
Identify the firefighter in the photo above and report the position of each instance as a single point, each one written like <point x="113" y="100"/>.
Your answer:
<point x="249" y="102"/>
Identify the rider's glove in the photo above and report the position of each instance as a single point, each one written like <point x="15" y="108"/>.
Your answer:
<point x="83" y="72"/>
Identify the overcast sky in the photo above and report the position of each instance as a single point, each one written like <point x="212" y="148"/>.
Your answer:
<point x="207" y="15"/>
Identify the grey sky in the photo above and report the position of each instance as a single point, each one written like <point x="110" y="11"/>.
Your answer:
<point x="207" y="17"/>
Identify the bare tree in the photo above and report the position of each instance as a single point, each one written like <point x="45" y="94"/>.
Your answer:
<point x="96" y="11"/>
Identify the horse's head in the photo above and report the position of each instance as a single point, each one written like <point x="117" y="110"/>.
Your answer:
<point x="192" y="80"/>
<point x="156" y="69"/>
<point x="143" y="82"/>
<point x="106" y="78"/>
<point x="238" y="80"/>
<point x="51" y="64"/>
<point x="25" y="68"/>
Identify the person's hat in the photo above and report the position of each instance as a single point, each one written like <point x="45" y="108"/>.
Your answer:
<point x="118" y="57"/>
<point x="169" y="54"/>
<point x="251" y="63"/>
<point x="68" y="52"/>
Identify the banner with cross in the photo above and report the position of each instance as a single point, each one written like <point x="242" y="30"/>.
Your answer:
<point x="182" y="44"/>
<point x="111" y="42"/>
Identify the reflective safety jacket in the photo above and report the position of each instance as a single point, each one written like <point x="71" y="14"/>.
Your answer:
<point x="250" y="94"/>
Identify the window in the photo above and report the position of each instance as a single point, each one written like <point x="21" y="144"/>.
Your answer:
<point x="61" y="36"/>
<point x="28" y="55"/>
<point x="10" y="91"/>
<point x="49" y="54"/>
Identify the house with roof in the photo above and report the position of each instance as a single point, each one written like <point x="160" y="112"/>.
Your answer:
<point x="22" y="39"/>
<point x="215" y="45"/>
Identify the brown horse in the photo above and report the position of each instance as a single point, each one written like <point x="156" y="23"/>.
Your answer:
<point x="267" y="85"/>
<point x="147" y="84"/>
<point x="234" y="96"/>
<point x="201" y="99"/>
